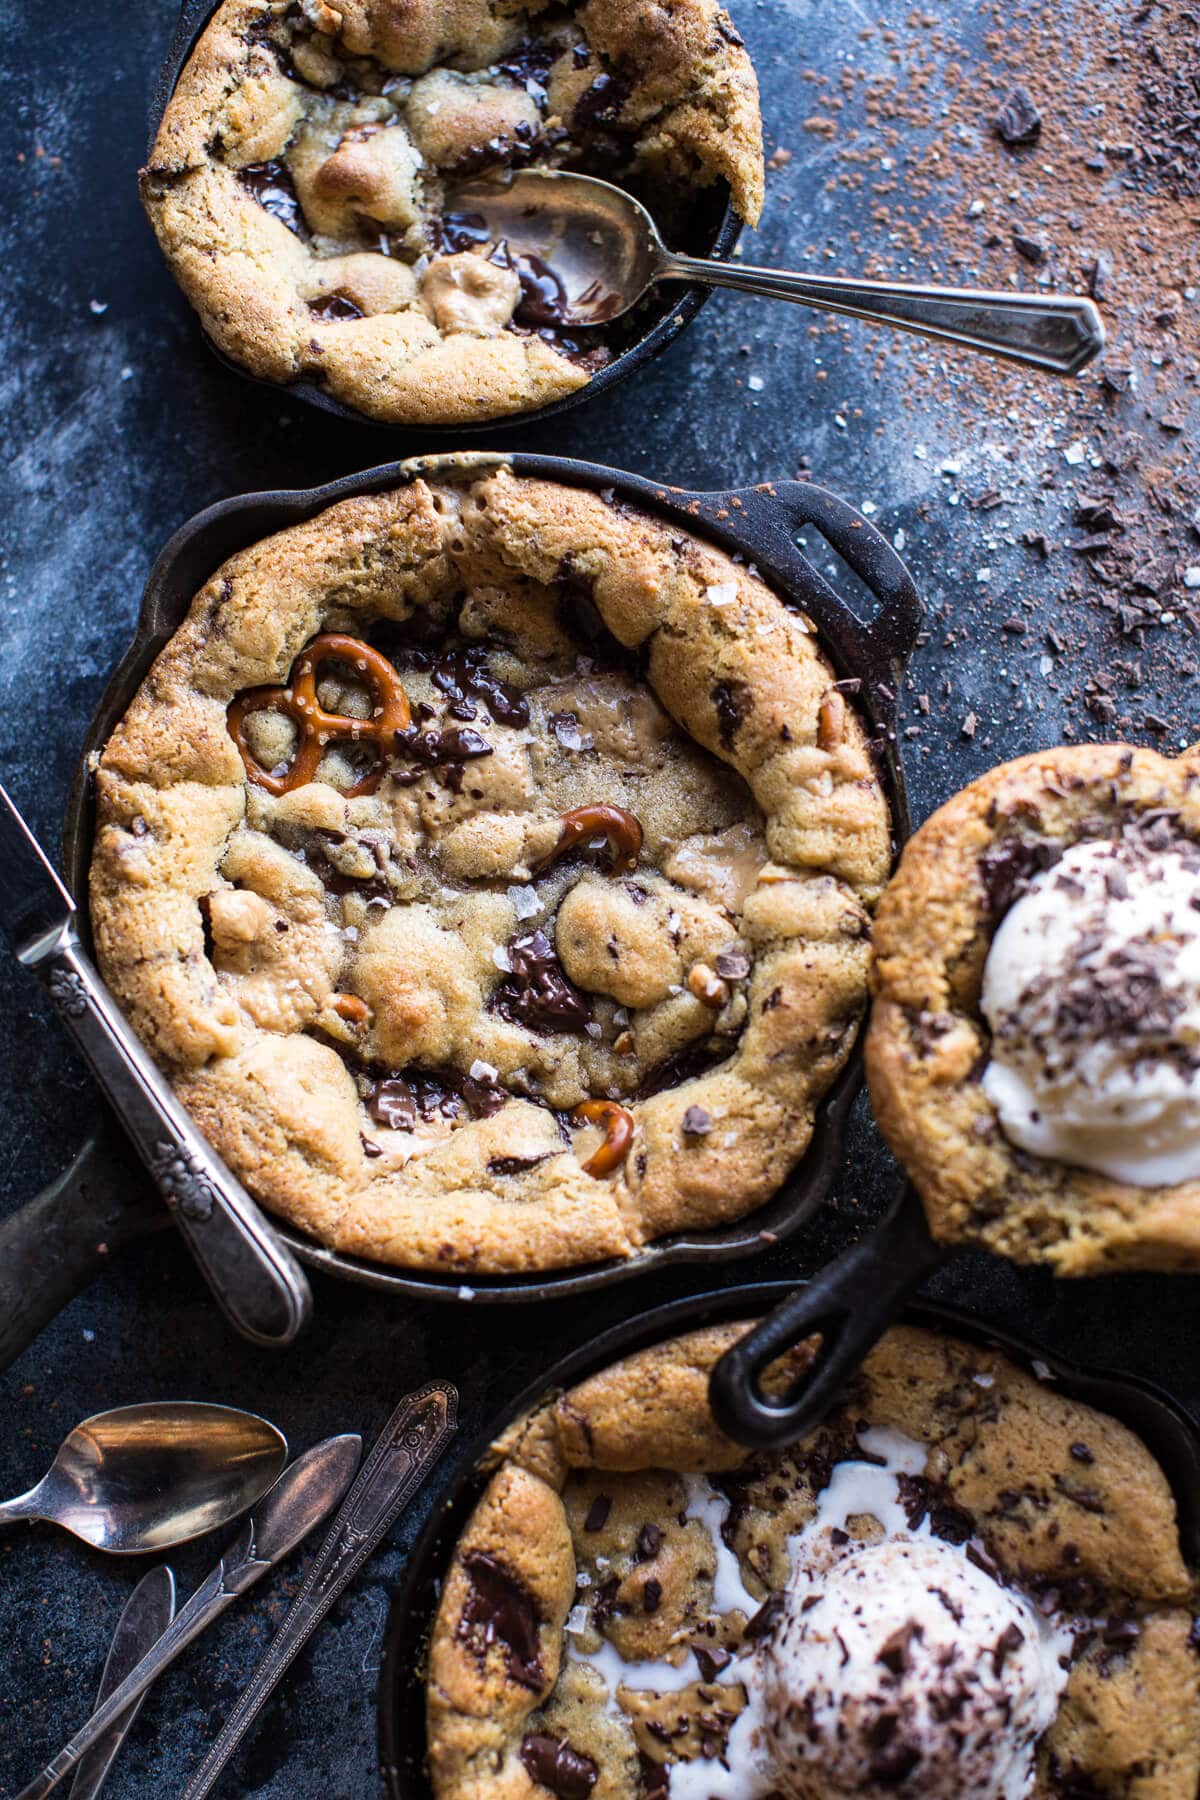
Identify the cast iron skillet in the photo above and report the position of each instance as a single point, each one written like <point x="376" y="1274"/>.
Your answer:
<point x="850" y="1305"/>
<point x="62" y="1239"/>
<point x="713" y="230"/>
<point x="1162" y="1424"/>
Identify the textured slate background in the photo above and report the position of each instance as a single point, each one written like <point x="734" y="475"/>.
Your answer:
<point x="118" y="425"/>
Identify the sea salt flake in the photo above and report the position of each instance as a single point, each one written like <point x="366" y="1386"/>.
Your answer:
<point x="482" y="1071"/>
<point x="502" y="959"/>
<point x="1075" y="453"/>
<point x="524" y="901"/>
<point x="1191" y="576"/>
<point x="721" y="593"/>
<point x="755" y="383"/>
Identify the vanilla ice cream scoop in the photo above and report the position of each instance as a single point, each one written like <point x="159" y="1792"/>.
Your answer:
<point x="906" y="1668"/>
<point x="1092" y="993"/>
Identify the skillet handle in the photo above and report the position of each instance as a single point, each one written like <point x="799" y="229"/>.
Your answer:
<point x="881" y="644"/>
<point x="58" y="1244"/>
<point x="851" y="1304"/>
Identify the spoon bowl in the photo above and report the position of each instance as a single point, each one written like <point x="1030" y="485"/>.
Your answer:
<point x="586" y="251"/>
<point x="148" y="1477"/>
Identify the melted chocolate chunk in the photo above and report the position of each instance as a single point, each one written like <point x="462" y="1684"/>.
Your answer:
<point x="732" y="701"/>
<point x="537" y="994"/>
<point x="463" y="231"/>
<point x="1008" y="868"/>
<point x="655" y="1778"/>
<point x="685" y="1065"/>
<point x="554" y="1764"/>
<point x="500" y="1608"/>
<point x="271" y="185"/>
<point x="462" y="673"/>
<point x="529" y="64"/>
<point x="446" y="751"/>
<point x="335" y="306"/>
<point x="516" y="1165"/>
<point x="400" y="1099"/>
<point x="596" y="121"/>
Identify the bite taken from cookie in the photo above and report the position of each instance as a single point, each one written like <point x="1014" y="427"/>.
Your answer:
<point x="490" y="865"/>
<point x="1034" y="1050"/>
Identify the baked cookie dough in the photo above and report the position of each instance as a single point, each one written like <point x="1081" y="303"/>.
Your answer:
<point x="1034" y="1050"/>
<point x="298" y="181"/>
<point x="490" y="866"/>
<point x="963" y="1586"/>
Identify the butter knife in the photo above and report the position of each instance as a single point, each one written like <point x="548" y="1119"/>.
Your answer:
<point x="148" y="1611"/>
<point x="410" y="1443"/>
<point x="304" y="1494"/>
<point x="256" y="1280"/>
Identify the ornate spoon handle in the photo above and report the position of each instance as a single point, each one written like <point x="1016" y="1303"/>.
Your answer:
<point x="412" y="1440"/>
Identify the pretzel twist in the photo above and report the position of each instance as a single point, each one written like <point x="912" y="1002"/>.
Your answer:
<point x="617" y="1124"/>
<point x="318" y="729"/>
<point x="579" y="826"/>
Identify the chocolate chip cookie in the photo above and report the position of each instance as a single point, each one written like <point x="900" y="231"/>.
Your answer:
<point x="490" y="866"/>
<point x="962" y="1586"/>
<point x="298" y="183"/>
<point x="1034" y="1051"/>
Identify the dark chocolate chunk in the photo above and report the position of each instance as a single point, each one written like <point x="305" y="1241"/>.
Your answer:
<point x="732" y="701"/>
<point x="335" y="306"/>
<point x="733" y="965"/>
<point x="1010" y="1639"/>
<point x="894" y="1653"/>
<point x="711" y="1659"/>
<point x="516" y="1165"/>
<point x="500" y="1608"/>
<point x="1010" y="865"/>
<point x="1018" y="121"/>
<point x="652" y="1596"/>
<point x="696" y="1122"/>
<point x="765" y="1619"/>
<point x="271" y="185"/>
<point x="649" y="1542"/>
<point x="536" y="993"/>
<point x="554" y="1764"/>
<point x="598" y="1512"/>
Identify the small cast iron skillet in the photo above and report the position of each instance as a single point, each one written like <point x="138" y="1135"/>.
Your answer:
<point x="63" y="1238"/>
<point x="713" y="230"/>
<point x="850" y="1305"/>
<point x="1163" y="1425"/>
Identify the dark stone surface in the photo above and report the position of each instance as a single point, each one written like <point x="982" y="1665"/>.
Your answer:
<point x="118" y="425"/>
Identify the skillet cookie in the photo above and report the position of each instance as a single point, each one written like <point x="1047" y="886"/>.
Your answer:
<point x="963" y="1586"/>
<point x="299" y="183"/>
<point x="489" y="865"/>
<point x="1034" y="1051"/>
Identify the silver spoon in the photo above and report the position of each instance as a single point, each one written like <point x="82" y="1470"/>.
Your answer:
<point x="146" y="1477"/>
<point x="591" y="251"/>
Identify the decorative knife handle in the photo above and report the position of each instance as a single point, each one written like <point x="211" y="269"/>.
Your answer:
<point x="256" y="1280"/>
<point x="412" y="1440"/>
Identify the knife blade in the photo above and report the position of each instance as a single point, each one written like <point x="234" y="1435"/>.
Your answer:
<point x="34" y="904"/>
<point x="148" y="1611"/>
<point x="255" y="1278"/>
<point x="409" y="1444"/>
<point x="304" y="1494"/>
